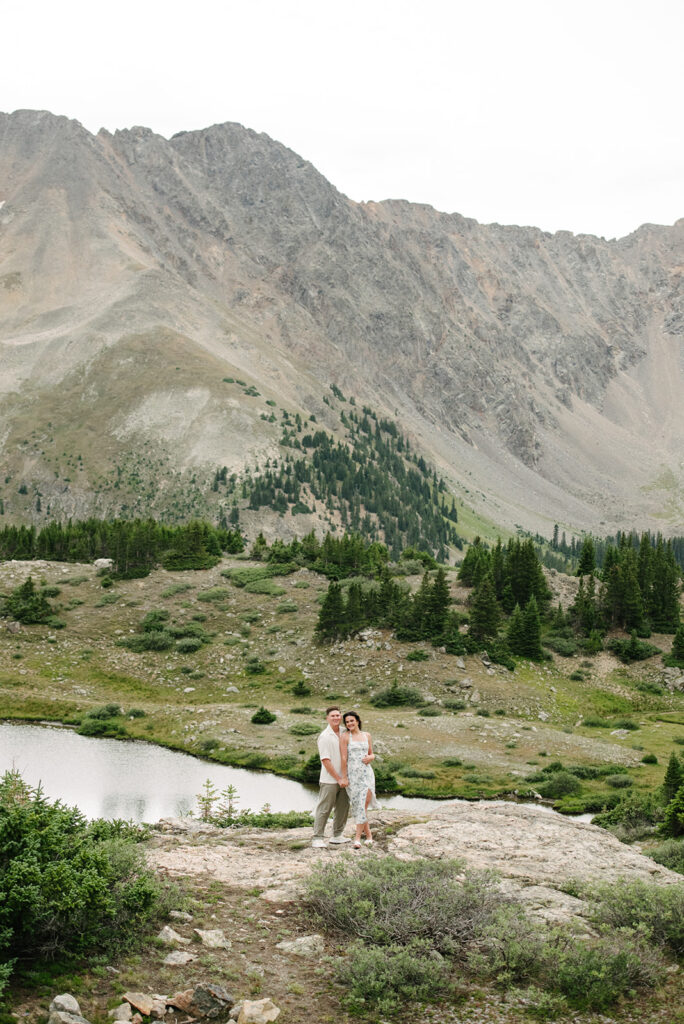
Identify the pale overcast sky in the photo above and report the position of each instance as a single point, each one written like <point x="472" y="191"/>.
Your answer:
<point x="565" y="115"/>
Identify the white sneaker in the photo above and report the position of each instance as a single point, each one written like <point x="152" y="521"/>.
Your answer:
<point x="340" y="839"/>
<point x="319" y="844"/>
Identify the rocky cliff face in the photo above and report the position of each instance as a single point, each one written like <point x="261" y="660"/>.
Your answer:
<point x="542" y="373"/>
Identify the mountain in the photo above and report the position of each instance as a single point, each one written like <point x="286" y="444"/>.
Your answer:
<point x="141" y="278"/>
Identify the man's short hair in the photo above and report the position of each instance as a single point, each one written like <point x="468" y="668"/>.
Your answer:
<point x="333" y="707"/>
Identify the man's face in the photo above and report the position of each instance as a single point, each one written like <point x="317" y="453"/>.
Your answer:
<point x="334" y="718"/>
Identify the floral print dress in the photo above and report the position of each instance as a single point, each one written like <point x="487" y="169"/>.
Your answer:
<point x="361" y="778"/>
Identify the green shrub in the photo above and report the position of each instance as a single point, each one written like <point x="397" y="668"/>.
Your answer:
<point x="161" y="640"/>
<point x="251" y="617"/>
<point x="418" y="655"/>
<point x="670" y="854"/>
<point x="635" y="814"/>
<point x="300" y="689"/>
<point x="154" y="620"/>
<point x="214" y="595"/>
<point x="621" y="781"/>
<point x="27" y="604"/>
<point x="594" y="974"/>
<point x="66" y="886"/>
<point x="625" y="723"/>
<point x="98" y="727"/>
<point x="649" y="759"/>
<point x="189" y="629"/>
<point x="267" y="587"/>
<point x="631" y="650"/>
<point x="389" y="901"/>
<point x="454" y="705"/>
<point x="560" y="784"/>
<point x="303" y="710"/>
<point x="255" y="666"/>
<point x="384" y="979"/>
<point x="452" y="762"/>
<point x="561" y="645"/>
<point x="398" y="696"/>
<point x="136" y="713"/>
<point x="416" y="773"/>
<point x="176" y="588"/>
<point x="188" y="645"/>
<point x="431" y="712"/>
<point x="658" y="909"/>
<point x="673" y="822"/>
<point x="286" y="608"/>
<point x="263" y="717"/>
<point x="646" y="686"/>
<point x="304" y="729"/>
<point x="594" y="722"/>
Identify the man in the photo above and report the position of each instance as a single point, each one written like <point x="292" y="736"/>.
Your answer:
<point x="333" y="784"/>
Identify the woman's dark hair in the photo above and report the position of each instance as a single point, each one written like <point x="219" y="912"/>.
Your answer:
<point x="354" y="714"/>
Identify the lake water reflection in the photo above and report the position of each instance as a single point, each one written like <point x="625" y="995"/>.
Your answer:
<point x="139" y="781"/>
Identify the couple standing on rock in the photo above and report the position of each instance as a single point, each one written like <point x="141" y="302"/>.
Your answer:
<point x="346" y="778"/>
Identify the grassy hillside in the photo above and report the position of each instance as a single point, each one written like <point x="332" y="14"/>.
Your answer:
<point x="482" y="730"/>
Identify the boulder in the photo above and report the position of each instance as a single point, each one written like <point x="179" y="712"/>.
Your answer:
<point x="213" y="938"/>
<point x="122" y="1012"/>
<point x="178" y="958"/>
<point x="211" y="1001"/>
<point x="260" y="1011"/>
<point x="66" y="1003"/>
<point x="306" y="945"/>
<point x="171" y="938"/>
<point x="139" y="1001"/>
<point x="180" y="915"/>
<point x="181" y="1000"/>
<point x="103" y="563"/>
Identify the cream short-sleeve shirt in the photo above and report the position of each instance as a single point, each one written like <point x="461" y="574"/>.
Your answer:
<point x="329" y="746"/>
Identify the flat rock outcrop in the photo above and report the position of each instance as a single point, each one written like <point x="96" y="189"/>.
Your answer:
<point x="536" y="852"/>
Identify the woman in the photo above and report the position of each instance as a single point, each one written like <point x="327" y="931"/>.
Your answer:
<point x="357" y="753"/>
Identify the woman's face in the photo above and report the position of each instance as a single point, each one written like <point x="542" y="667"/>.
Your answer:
<point x="350" y="723"/>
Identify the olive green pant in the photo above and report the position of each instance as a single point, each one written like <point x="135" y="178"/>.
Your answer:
<point x="331" y="797"/>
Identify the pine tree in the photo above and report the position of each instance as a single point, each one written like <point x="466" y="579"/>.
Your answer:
<point x="587" y="558"/>
<point x="331" y="620"/>
<point x="515" y="631"/>
<point x="678" y="644"/>
<point x="674" y="778"/>
<point x="531" y="631"/>
<point x="484" y="613"/>
<point x="353" y="613"/>
<point x="438" y="605"/>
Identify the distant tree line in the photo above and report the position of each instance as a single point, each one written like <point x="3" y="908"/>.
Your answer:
<point x="634" y="589"/>
<point x="135" y="546"/>
<point x="570" y="551"/>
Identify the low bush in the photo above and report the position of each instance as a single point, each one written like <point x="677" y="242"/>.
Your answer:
<point x="389" y="901"/>
<point x="559" y="784"/>
<point x="657" y="909"/>
<point x="303" y="710"/>
<point x="635" y="815"/>
<point x="188" y="645"/>
<point x="454" y="705"/>
<point x="398" y="696"/>
<point x="670" y="854"/>
<point x="67" y="886"/>
<point x="160" y="640"/>
<point x="631" y="650"/>
<point x="418" y="655"/>
<point x="594" y="722"/>
<point x="625" y="723"/>
<point x="155" y="620"/>
<point x="452" y="762"/>
<point x="214" y="595"/>
<point x="621" y="781"/>
<point x="304" y="729"/>
<point x="286" y="608"/>
<point x="255" y="666"/>
<point x="649" y="759"/>
<point x="415" y="773"/>
<point x="561" y="645"/>
<point x="267" y="587"/>
<point x="263" y="717"/>
<point x="386" y="978"/>
<point x="431" y="712"/>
